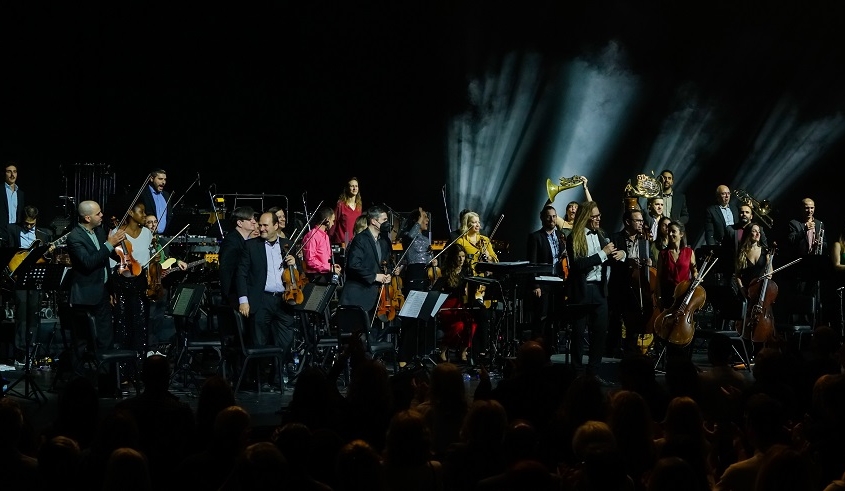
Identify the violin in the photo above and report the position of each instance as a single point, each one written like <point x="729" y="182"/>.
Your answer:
<point x="155" y="290"/>
<point x="294" y="282"/>
<point x="676" y="324"/>
<point x="390" y="297"/>
<point x="434" y="274"/>
<point x="762" y="293"/>
<point x="127" y="265"/>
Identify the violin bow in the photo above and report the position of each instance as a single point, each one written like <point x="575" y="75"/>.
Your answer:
<point x="166" y="244"/>
<point x="132" y="204"/>
<point x="167" y="203"/>
<point x="444" y="249"/>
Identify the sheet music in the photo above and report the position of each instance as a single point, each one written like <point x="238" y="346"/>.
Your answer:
<point x="553" y="279"/>
<point x="415" y="301"/>
<point x="440" y="300"/>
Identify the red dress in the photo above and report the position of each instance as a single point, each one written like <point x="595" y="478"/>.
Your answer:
<point x="344" y="225"/>
<point x="458" y="325"/>
<point x="674" y="272"/>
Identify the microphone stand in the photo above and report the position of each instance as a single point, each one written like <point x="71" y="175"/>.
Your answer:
<point x="214" y="209"/>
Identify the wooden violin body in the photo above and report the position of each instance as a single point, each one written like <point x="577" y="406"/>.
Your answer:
<point x="676" y="324"/>
<point x="155" y="290"/>
<point x="127" y="265"/>
<point x="294" y="283"/>
<point x="391" y="298"/>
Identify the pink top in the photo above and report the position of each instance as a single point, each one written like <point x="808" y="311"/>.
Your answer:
<point x="317" y="251"/>
<point x="344" y="225"/>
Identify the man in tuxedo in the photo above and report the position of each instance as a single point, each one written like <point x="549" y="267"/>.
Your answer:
<point x="719" y="216"/>
<point x="259" y="286"/>
<point x="89" y="249"/>
<point x="736" y="233"/>
<point x="231" y="251"/>
<point x="591" y="253"/>
<point x="156" y="200"/>
<point x="545" y="246"/>
<point x="364" y="257"/>
<point x="627" y="304"/>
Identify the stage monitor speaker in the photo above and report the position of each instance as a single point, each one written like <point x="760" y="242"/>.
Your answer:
<point x="186" y="300"/>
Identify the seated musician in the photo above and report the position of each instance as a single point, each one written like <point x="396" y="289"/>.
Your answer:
<point x="458" y="325"/>
<point x="675" y="265"/>
<point x="751" y="260"/>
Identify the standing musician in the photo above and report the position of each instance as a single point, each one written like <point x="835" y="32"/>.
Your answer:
<point x="27" y="302"/>
<point x="156" y="200"/>
<point x="719" y="216"/>
<point x="591" y="254"/>
<point x="675" y="203"/>
<point x="478" y="249"/>
<point x="317" y="249"/>
<point x="675" y="265"/>
<point x="365" y="254"/>
<point x="417" y="246"/>
<point x="346" y="211"/>
<point x="805" y="239"/>
<point x="158" y="306"/>
<point x="545" y="246"/>
<point x="90" y="249"/>
<point x="232" y="249"/>
<point x="660" y="241"/>
<point x="131" y="305"/>
<point x="259" y="287"/>
<point x="12" y="204"/>
<point x="565" y="223"/>
<point x="629" y="298"/>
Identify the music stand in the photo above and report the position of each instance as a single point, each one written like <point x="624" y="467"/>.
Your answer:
<point x="423" y="306"/>
<point x="494" y="291"/>
<point x="31" y="276"/>
<point x="183" y="305"/>
<point x="315" y="301"/>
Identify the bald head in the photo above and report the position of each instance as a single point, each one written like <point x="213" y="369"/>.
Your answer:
<point x="723" y="195"/>
<point x="90" y="214"/>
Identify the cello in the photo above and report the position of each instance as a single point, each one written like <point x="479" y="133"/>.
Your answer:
<point x="762" y="292"/>
<point x="676" y="324"/>
<point x="644" y="283"/>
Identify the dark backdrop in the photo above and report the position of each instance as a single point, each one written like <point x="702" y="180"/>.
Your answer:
<point x="287" y="97"/>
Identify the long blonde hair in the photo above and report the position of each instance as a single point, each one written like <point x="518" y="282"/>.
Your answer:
<point x="579" y="238"/>
<point x="468" y="218"/>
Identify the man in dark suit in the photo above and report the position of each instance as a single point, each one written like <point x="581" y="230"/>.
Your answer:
<point x="719" y="216"/>
<point x="545" y="246"/>
<point x="628" y="300"/>
<point x="12" y="204"/>
<point x="736" y="233"/>
<point x="364" y="256"/>
<point x="259" y="286"/>
<point x="590" y="255"/>
<point x="27" y="302"/>
<point x="805" y="239"/>
<point x="231" y="251"/>
<point x="156" y="200"/>
<point x="674" y="203"/>
<point x="90" y="249"/>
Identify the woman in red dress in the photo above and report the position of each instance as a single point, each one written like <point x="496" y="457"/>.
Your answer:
<point x="458" y="325"/>
<point x="675" y="264"/>
<point x="347" y="210"/>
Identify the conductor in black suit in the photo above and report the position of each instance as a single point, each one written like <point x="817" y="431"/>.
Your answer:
<point x="89" y="249"/>
<point x="364" y="257"/>
<point x="545" y="246"/>
<point x="719" y="216"/>
<point x="157" y="201"/>
<point x="259" y="286"/>
<point x="590" y="256"/>
<point x="232" y="249"/>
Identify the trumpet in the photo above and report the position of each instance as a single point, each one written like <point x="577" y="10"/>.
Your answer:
<point x="761" y="209"/>
<point x="552" y="189"/>
<point x="818" y="248"/>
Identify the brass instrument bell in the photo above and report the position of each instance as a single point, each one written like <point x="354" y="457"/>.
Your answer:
<point x="552" y="189"/>
<point x="761" y="209"/>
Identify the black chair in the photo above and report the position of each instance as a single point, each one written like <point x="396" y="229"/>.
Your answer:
<point x="192" y="342"/>
<point x="730" y="310"/>
<point x="351" y="321"/>
<point x="86" y="354"/>
<point x="795" y="316"/>
<point x="230" y="324"/>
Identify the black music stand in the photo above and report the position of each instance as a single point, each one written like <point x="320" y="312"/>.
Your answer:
<point x="423" y="306"/>
<point x="494" y="291"/>
<point x="183" y="306"/>
<point x="570" y="312"/>
<point x="315" y="302"/>
<point x="32" y="276"/>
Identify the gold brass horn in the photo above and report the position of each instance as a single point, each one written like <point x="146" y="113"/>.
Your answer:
<point x="647" y="187"/>
<point x="572" y="182"/>
<point x="761" y="209"/>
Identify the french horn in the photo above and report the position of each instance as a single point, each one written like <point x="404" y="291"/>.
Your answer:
<point x="761" y="209"/>
<point x="646" y="187"/>
<point x="565" y="183"/>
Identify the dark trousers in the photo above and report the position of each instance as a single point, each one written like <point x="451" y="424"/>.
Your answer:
<point x="595" y="324"/>
<point x="272" y="322"/>
<point x="102" y="312"/>
<point x="27" y="305"/>
<point x="131" y="312"/>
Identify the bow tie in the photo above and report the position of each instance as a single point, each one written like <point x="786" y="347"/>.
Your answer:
<point x="668" y="194"/>
<point x="592" y="232"/>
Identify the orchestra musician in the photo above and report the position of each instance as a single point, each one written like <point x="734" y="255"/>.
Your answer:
<point x="231" y="251"/>
<point x="12" y="204"/>
<point x="674" y="203"/>
<point x="317" y="249"/>
<point x="565" y="223"/>
<point x="27" y="302"/>
<point x="661" y="240"/>
<point x="458" y="325"/>
<point x="805" y="239"/>
<point x="626" y="301"/>
<point x="156" y="200"/>
<point x="545" y="246"/>
<point x="590" y="254"/>
<point x="655" y="207"/>
<point x="365" y="254"/>
<point x="417" y="246"/>
<point x="719" y="216"/>
<point x="90" y="250"/>
<point x="347" y="210"/>
<point x="751" y="260"/>
<point x="131" y="305"/>
<point x="158" y="306"/>
<point x="675" y="265"/>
